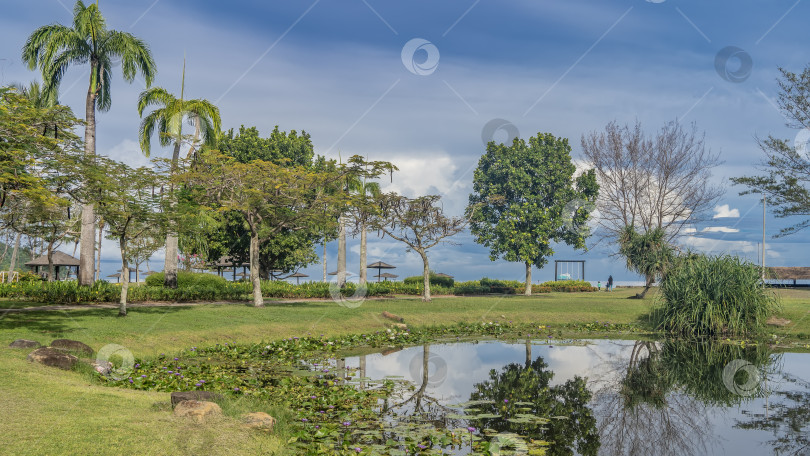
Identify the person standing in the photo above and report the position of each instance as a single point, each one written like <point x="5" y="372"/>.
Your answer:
<point x="610" y="283"/>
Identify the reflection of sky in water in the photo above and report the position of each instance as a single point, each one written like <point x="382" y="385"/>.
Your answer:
<point x="456" y="368"/>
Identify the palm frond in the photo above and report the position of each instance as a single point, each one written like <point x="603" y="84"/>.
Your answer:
<point x="146" y="130"/>
<point x="155" y="96"/>
<point x="134" y="53"/>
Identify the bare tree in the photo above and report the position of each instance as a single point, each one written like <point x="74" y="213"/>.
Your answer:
<point x="419" y="222"/>
<point x="661" y="181"/>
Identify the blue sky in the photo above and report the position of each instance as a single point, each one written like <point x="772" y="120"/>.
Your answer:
<point x="335" y="69"/>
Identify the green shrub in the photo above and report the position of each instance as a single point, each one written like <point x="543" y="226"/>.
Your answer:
<point x="472" y="287"/>
<point x="447" y="282"/>
<point x="709" y="296"/>
<point x="189" y="279"/>
<point x="30" y="276"/>
<point x="501" y="286"/>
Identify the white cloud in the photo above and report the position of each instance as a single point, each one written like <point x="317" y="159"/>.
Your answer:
<point x="724" y="211"/>
<point x="719" y="246"/>
<point x="719" y="229"/>
<point x="689" y="230"/>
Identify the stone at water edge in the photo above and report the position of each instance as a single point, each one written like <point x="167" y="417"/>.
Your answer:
<point x="259" y="420"/>
<point x="24" y="343"/>
<point x="53" y="358"/>
<point x="180" y="396"/>
<point x="197" y="410"/>
<point x="774" y="321"/>
<point x="401" y="326"/>
<point x="72" y="345"/>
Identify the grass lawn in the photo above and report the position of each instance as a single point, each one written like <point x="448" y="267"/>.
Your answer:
<point x="48" y="411"/>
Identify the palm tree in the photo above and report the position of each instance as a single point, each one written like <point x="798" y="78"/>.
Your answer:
<point x="168" y="119"/>
<point x="54" y="48"/>
<point x="368" y="189"/>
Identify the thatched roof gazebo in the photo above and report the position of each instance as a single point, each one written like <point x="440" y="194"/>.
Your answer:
<point x="379" y="266"/>
<point x="228" y="264"/>
<point x="298" y="276"/>
<point x="60" y="260"/>
<point x="386" y="276"/>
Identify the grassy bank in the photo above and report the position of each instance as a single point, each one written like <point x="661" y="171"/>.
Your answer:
<point x="49" y="411"/>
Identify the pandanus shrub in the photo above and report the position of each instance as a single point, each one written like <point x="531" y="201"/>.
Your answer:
<point x="706" y="296"/>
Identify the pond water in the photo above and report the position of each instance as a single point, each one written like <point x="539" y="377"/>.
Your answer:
<point x="602" y="397"/>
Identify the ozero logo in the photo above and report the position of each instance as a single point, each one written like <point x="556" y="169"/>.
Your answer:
<point x="420" y="56"/>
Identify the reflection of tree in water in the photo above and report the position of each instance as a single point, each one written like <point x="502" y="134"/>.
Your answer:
<point x="659" y="404"/>
<point x="524" y="389"/>
<point x="787" y="418"/>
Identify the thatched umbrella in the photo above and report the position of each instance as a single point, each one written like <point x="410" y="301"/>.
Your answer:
<point x="386" y="276"/>
<point x="379" y="266"/>
<point x="441" y="274"/>
<point x="298" y="276"/>
<point x="117" y="277"/>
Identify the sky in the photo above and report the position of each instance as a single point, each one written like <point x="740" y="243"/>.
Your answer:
<point x="419" y="84"/>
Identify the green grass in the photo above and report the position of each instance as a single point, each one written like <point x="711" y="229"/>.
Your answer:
<point x="48" y="411"/>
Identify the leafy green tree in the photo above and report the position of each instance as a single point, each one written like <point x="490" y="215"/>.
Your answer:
<point x="521" y="400"/>
<point x="419" y="223"/>
<point x="786" y="181"/>
<point x="525" y="197"/>
<point x="33" y="197"/>
<point x="54" y="48"/>
<point x="648" y="254"/>
<point x="130" y="207"/>
<point x="167" y="119"/>
<point x="228" y="234"/>
<point x="272" y="198"/>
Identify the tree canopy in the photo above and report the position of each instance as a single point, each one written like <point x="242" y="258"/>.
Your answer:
<point x="526" y="197"/>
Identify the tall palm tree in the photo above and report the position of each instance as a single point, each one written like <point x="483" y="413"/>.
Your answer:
<point x="54" y="48"/>
<point x="368" y="189"/>
<point x="168" y="120"/>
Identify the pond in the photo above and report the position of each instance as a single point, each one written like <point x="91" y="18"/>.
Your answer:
<point x="597" y="397"/>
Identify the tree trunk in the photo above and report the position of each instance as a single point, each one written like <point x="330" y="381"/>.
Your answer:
<point x="258" y="301"/>
<point x="425" y="276"/>
<point x="14" y="256"/>
<point x="341" y="259"/>
<point x="122" y="304"/>
<point x="528" y="291"/>
<point x="170" y="264"/>
<point x="98" y="253"/>
<point x="647" y="287"/>
<point x="88" y="231"/>
<point x="51" y="269"/>
<point x="5" y="250"/>
<point x="528" y="353"/>
<point x="363" y="271"/>
<point x="324" y="260"/>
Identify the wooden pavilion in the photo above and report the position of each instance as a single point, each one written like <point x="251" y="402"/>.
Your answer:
<point x="60" y="260"/>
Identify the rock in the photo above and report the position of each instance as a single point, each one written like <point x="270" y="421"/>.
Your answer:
<point x="401" y="326"/>
<point x="180" y="396"/>
<point x="25" y="343"/>
<point x="197" y="410"/>
<point x="391" y="316"/>
<point x="102" y="367"/>
<point x="774" y="321"/>
<point x="52" y="357"/>
<point x="72" y="345"/>
<point x="259" y="420"/>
